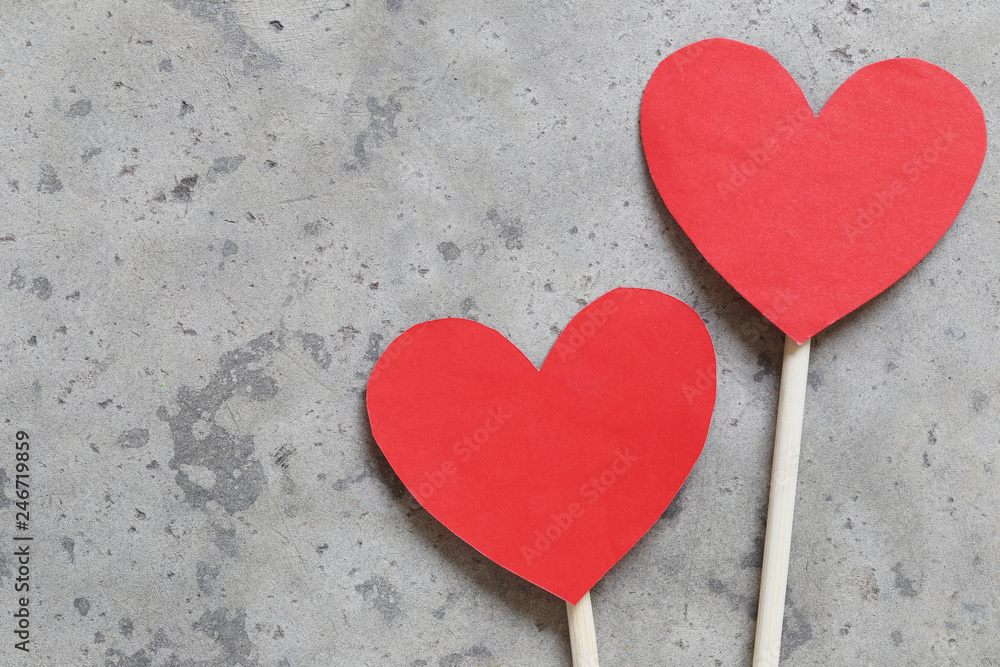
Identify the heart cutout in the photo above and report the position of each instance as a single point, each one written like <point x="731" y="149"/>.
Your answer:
<point x="809" y="216"/>
<point x="554" y="473"/>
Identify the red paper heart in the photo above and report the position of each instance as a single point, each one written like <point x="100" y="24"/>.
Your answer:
<point x="809" y="217"/>
<point x="552" y="473"/>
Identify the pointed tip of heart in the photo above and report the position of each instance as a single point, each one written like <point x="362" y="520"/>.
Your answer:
<point x="573" y="598"/>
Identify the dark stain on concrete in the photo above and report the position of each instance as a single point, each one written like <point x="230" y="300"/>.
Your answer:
<point x="185" y="109"/>
<point x="4" y="481"/>
<point x="115" y="658"/>
<point x="224" y="166"/>
<point x="867" y="584"/>
<point x="125" y="626"/>
<point x="979" y="401"/>
<point x="896" y="637"/>
<point x="382" y="117"/>
<point x="348" y="332"/>
<point x="239" y="477"/>
<point x="133" y="439"/>
<point x="69" y="545"/>
<point x="254" y="58"/>
<point x="440" y="611"/>
<point x="474" y="656"/>
<point x="224" y="539"/>
<point x="166" y="65"/>
<point x="82" y="605"/>
<point x="41" y="287"/>
<point x="955" y="333"/>
<point x="17" y="280"/>
<point x="91" y="153"/>
<point x="469" y="309"/>
<point x="360" y="154"/>
<point x="229" y="634"/>
<point x="843" y="55"/>
<point x="313" y="228"/>
<point x="449" y="251"/>
<point x="394" y="6"/>
<point x="815" y="380"/>
<point x="796" y="630"/>
<point x="765" y="366"/>
<point x="48" y="181"/>
<point x="381" y="125"/>
<point x="343" y="483"/>
<point x="374" y="350"/>
<point x="315" y="345"/>
<point x="229" y="248"/>
<point x="283" y="455"/>
<point x="159" y="640"/>
<point x="736" y="601"/>
<point x="755" y="557"/>
<point x="676" y="506"/>
<point x="905" y="586"/>
<point x="183" y="191"/>
<point x="80" y="108"/>
<point x="206" y="574"/>
<point x="383" y="596"/>
<point x="511" y="230"/>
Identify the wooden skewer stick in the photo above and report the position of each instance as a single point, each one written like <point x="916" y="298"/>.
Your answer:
<point x="582" y="639"/>
<point x="784" y="471"/>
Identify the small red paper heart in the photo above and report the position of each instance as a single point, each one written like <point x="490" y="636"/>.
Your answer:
<point x="809" y="216"/>
<point x="553" y="473"/>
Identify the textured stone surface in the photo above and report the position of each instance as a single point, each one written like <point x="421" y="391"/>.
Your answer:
<point x="215" y="215"/>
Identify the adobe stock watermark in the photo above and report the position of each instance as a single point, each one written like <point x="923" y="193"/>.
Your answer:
<point x="913" y="169"/>
<point x="704" y="380"/>
<point x="395" y="350"/>
<point x="758" y="157"/>
<point x="686" y="56"/>
<point x="779" y="304"/>
<point x="590" y="492"/>
<point x="576" y="335"/>
<point x="464" y="449"/>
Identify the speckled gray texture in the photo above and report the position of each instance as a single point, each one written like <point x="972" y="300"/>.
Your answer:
<point x="216" y="215"/>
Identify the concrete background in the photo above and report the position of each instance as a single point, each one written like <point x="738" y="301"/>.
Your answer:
<point x="215" y="215"/>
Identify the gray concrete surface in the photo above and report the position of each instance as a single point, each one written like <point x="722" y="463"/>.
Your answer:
<point x="215" y="215"/>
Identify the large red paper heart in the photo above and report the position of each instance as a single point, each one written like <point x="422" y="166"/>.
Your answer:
<point x="552" y="473"/>
<point x="809" y="216"/>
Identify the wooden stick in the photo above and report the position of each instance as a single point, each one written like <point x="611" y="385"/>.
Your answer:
<point x="582" y="639"/>
<point x="784" y="471"/>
